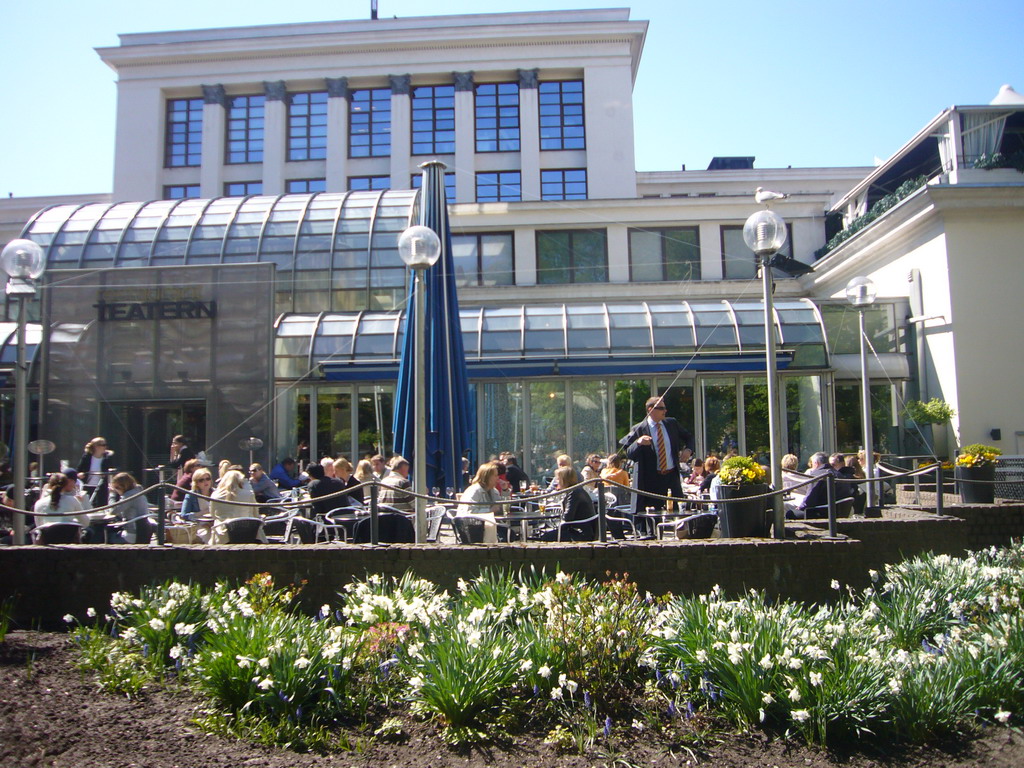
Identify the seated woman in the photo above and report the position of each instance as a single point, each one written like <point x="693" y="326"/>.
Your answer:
<point x="616" y="474"/>
<point x="576" y="505"/>
<point x="697" y="474"/>
<point x="140" y="531"/>
<point x="185" y="480"/>
<point x="61" y="497"/>
<point x="194" y="506"/>
<point x="482" y="500"/>
<point x="343" y="471"/>
<point x="232" y="487"/>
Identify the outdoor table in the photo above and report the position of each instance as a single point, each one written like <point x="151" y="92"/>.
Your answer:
<point x="98" y="527"/>
<point x="525" y="518"/>
<point x="659" y="516"/>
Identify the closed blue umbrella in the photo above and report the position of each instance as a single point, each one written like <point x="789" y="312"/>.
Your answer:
<point x="447" y="384"/>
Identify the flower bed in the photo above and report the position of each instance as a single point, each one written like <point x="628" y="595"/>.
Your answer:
<point x="935" y="647"/>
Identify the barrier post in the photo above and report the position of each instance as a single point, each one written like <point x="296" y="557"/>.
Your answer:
<point x="374" y="513"/>
<point x="939" y="500"/>
<point x="161" y="516"/>
<point x="602" y="511"/>
<point x="830" y="487"/>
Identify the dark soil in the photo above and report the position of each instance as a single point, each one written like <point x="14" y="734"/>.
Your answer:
<point x="53" y="715"/>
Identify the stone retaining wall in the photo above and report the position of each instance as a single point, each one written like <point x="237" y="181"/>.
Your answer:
<point x="53" y="581"/>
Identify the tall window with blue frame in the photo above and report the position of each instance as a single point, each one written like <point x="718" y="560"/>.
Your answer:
<point x="369" y="123"/>
<point x="563" y="184"/>
<point x="561" y="115"/>
<point x="433" y="120"/>
<point x="306" y="186"/>
<point x="498" y="186"/>
<point x="497" y="117"/>
<point x="245" y="129"/>
<point x="307" y="126"/>
<point x="183" y="139"/>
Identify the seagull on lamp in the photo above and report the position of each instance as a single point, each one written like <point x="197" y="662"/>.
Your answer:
<point x="766" y="196"/>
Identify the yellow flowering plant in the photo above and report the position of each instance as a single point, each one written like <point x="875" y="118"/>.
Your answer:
<point x="741" y="470"/>
<point x="978" y="455"/>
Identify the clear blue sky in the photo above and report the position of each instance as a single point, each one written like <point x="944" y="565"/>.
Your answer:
<point x="792" y="82"/>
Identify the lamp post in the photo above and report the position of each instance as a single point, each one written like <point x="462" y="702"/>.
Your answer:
<point x="420" y="248"/>
<point x="860" y="292"/>
<point x="765" y="233"/>
<point x="23" y="262"/>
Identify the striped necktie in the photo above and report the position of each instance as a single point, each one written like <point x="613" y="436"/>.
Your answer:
<point x="662" y="452"/>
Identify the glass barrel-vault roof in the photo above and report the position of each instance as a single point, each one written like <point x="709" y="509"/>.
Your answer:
<point x="332" y="250"/>
<point x="9" y="348"/>
<point x="558" y="331"/>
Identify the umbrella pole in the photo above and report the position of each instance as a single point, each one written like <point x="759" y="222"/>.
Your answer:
<point x="420" y="415"/>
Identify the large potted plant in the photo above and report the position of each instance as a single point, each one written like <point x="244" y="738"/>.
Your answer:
<point x="976" y="473"/>
<point x="739" y="515"/>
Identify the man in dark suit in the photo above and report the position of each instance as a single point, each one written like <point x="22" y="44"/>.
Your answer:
<point x="653" y="445"/>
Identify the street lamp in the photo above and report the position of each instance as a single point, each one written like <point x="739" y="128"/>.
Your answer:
<point x="24" y="263"/>
<point x="765" y="233"/>
<point x="420" y="249"/>
<point x="860" y="292"/>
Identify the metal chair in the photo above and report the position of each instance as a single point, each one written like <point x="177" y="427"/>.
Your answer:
<point x="143" y="533"/>
<point x="699" y="526"/>
<point x="342" y="529"/>
<point x="243" y="530"/>
<point x="57" y="533"/>
<point x="392" y="528"/>
<point x="468" y="530"/>
<point x="435" y="516"/>
<point x="565" y="529"/>
<point x="621" y="527"/>
<point x="302" y="530"/>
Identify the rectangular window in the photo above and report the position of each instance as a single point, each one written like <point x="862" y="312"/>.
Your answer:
<point x="449" y="184"/>
<point x="738" y="261"/>
<point x="498" y="186"/>
<point x="180" y="191"/>
<point x="369" y="123"/>
<point x="564" y="184"/>
<point x="497" y="117"/>
<point x="561" y="115"/>
<point x="657" y="255"/>
<point x="484" y="258"/>
<point x="245" y="129"/>
<point x="433" y="120"/>
<point x="183" y="140"/>
<point x="362" y="183"/>
<point x="240" y="188"/>
<point x="305" y="186"/>
<point x="572" y="256"/>
<point x="307" y="126"/>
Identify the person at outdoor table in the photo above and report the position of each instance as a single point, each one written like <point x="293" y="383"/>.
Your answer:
<point x="60" y="497"/>
<point x="364" y="474"/>
<point x="481" y="500"/>
<point x="614" y="470"/>
<point x="502" y="484"/>
<point x="516" y="477"/>
<point x="592" y="467"/>
<point x="685" y="463"/>
<point x="653" y="445"/>
<point x="232" y="487"/>
<point x="327" y="463"/>
<point x="697" y="473"/>
<point x="319" y="486"/>
<point x="395" y="484"/>
<point x="711" y="466"/>
<point x="562" y="460"/>
<point x="94" y="468"/>
<point x="263" y="488"/>
<point x="180" y="453"/>
<point x="193" y="506"/>
<point x="134" y="508"/>
<point x="184" y="482"/>
<point x="282" y="474"/>
<point x="815" y="502"/>
<point x="379" y="467"/>
<point x="577" y="505"/>
<point x="343" y="472"/>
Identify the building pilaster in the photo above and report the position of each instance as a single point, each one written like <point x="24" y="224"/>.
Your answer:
<point x="465" y="139"/>
<point x="211" y="169"/>
<point x="529" y="134"/>
<point x="401" y="131"/>
<point x="337" y="133"/>
<point x="275" y="127"/>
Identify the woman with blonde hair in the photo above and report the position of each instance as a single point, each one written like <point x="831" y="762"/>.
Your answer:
<point x="343" y="471"/>
<point x="232" y="487"/>
<point x="482" y="500"/>
<point x="202" y="484"/>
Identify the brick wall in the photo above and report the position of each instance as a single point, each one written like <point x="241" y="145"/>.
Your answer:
<point x="52" y="581"/>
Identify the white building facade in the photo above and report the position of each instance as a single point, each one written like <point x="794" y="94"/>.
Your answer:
<point x="585" y="286"/>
